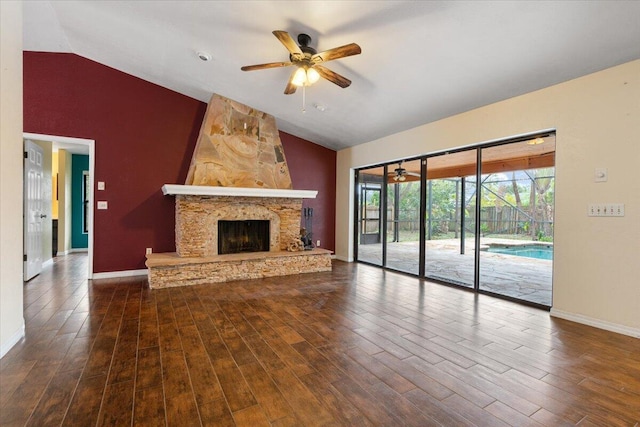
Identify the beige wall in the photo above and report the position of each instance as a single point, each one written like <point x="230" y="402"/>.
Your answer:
<point x="596" y="273"/>
<point x="64" y="201"/>
<point x="11" y="319"/>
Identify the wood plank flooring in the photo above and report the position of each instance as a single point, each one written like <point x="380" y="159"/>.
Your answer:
<point x="355" y="347"/>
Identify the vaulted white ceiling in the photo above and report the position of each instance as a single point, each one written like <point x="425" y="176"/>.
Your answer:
<point x="421" y="60"/>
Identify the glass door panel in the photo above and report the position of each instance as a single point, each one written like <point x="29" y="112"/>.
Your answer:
<point x="450" y="218"/>
<point x="403" y="216"/>
<point x="516" y="214"/>
<point x="370" y="183"/>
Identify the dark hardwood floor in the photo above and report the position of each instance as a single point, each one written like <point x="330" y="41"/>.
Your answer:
<point x="356" y="347"/>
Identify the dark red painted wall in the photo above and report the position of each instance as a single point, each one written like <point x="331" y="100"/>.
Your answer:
<point x="313" y="167"/>
<point x="145" y="136"/>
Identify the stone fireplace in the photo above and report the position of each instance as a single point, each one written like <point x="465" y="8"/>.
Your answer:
<point x="238" y="179"/>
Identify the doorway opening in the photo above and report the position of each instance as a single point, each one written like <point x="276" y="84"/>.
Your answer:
<point x="52" y="190"/>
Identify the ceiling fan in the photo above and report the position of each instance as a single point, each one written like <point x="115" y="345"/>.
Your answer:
<point x="308" y="62"/>
<point x="400" y="174"/>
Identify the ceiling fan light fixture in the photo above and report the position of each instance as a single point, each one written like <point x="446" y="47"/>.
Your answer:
<point x="300" y="77"/>
<point x="305" y="76"/>
<point x="312" y="76"/>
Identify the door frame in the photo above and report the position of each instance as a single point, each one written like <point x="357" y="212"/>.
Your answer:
<point x="90" y="144"/>
<point x="367" y="238"/>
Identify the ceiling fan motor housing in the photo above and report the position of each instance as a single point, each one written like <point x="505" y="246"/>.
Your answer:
<point x="303" y="42"/>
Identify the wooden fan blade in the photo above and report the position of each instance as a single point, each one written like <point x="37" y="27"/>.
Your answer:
<point x="337" y="52"/>
<point x="332" y="76"/>
<point x="265" y="66"/>
<point x="291" y="88"/>
<point x="289" y="43"/>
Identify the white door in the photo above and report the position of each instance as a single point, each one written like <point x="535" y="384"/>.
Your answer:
<point x="33" y="209"/>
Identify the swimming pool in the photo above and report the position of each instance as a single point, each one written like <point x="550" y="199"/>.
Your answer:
<point x="529" y="251"/>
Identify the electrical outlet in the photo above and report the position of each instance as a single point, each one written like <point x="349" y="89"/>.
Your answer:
<point x="149" y="251"/>
<point x="317" y="243"/>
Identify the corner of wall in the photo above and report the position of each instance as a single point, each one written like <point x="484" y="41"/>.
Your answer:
<point x="11" y="147"/>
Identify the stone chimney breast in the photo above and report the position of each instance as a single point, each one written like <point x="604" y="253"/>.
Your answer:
<point x="238" y="146"/>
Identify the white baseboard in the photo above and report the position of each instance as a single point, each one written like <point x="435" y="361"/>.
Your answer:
<point x="117" y="274"/>
<point x="72" y="250"/>
<point x="47" y="263"/>
<point x="341" y="258"/>
<point x="596" y="323"/>
<point x="4" y="349"/>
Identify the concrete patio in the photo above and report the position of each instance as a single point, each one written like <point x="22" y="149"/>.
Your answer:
<point x="519" y="277"/>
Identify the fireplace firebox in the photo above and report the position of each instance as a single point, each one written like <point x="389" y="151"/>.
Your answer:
<point x="243" y="236"/>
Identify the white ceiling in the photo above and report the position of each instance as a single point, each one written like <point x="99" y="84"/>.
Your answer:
<point x="421" y="60"/>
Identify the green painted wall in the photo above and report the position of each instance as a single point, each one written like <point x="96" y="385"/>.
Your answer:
<point x="79" y="164"/>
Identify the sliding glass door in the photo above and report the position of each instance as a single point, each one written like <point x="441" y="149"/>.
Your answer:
<point x="403" y="216"/>
<point x="516" y="212"/>
<point x="450" y="218"/>
<point x="480" y="218"/>
<point x="370" y="217"/>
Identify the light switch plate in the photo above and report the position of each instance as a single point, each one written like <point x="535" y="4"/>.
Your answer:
<point x="103" y="205"/>
<point x="100" y="185"/>
<point x="605" y="209"/>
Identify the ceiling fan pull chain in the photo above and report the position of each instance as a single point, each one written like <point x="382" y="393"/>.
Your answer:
<point x="304" y="92"/>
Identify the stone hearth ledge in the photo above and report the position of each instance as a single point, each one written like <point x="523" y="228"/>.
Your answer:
<point x="205" y="190"/>
<point x="169" y="270"/>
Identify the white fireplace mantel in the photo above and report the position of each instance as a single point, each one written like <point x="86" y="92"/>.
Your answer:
<point x="205" y="190"/>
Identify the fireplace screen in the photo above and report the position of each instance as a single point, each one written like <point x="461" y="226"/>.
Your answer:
<point x="243" y="236"/>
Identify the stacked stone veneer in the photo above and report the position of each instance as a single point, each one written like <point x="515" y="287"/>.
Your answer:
<point x="169" y="270"/>
<point x="197" y="221"/>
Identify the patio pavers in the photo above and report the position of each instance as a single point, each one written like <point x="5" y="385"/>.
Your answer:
<point x="519" y="277"/>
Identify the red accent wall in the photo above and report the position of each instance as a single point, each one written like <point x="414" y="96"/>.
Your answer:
<point x="145" y="135"/>
<point x="313" y="167"/>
